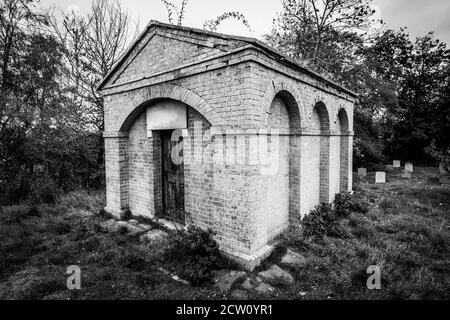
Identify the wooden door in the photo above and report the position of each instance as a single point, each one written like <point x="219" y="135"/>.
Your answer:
<point x="172" y="179"/>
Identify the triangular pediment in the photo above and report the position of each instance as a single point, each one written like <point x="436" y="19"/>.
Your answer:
<point x="161" y="48"/>
<point x="164" y="47"/>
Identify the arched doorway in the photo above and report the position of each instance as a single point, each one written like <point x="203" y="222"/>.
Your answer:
<point x="283" y="195"/>
<point x="158" y="139"/>
<point x="321" y="123"/>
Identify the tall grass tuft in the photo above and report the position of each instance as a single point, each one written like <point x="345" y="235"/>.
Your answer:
<point x="92" y="201"/>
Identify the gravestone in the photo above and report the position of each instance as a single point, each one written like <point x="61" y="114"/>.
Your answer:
<point x="389" y="168"/>
<point x="409" y="167"/>
<point x="362" y="172"/>
<point x="380" y="177"/>
<point x="396" y="163"/>
<point x="406" y="174"/>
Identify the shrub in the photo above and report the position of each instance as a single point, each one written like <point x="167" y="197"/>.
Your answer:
<point x="60" y="257"/>
<point x="14" y="214"/>
<point x="126" y="215"/>
<point x="81" y="199"/>
<point x="322" y="221"/>
<point x="345" y="203"/>
<point x="360" y="229"/>
<point x="358" y="182"/>
<point x="132" y="260"/>
<point x="195" y="254"/>
<point x="91" y="244"/>
<point x="42" y="287"/>
<point x="34" y="212"/>
<point x="59" y="227"/>
<point x="387" y="205"/>
<point x="43" y="190"/>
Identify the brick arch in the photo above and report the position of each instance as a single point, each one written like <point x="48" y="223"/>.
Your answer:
<point x="167" y="91"/>
<point x="324" y="117"/>
<point x="288" y="92"/>
<point x="321" y="111"/>
<point x="344" y="157"/>
<point x="343" y="121"/>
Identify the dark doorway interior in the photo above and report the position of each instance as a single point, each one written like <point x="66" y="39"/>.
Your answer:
<point x="172" y="178"/>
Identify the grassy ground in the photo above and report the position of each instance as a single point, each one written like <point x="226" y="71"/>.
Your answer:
<point x="406" y="232"/>
<point x="37" y="246"/>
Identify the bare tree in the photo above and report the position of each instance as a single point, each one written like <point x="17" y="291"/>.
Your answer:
<point x="214" y="23"/>
<point x="211" y="25"/>
<point x="310" y="24"/>
<point x="172" y="10"/>
<point x="16" y="19"/>
<point x="92" y="44"/>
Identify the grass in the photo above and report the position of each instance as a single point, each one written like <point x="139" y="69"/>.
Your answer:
<point x="36" y="250"/>
<point x="405" y="232"/>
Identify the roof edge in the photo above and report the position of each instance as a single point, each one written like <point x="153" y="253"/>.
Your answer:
<point x="257" y="43"/>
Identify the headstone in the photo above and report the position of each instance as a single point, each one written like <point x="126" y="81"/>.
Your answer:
<point x="406" y="174"/>
<point x="380" y="177"/>
<point x="362" y="172"/>
<point x="389" y="168"/>
<point x="396" y="163"/>
<point x="409" y="167"/>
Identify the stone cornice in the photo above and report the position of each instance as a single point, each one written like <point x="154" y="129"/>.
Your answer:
<point x="240" y="55"/>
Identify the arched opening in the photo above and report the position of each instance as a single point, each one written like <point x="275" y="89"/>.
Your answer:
<point x="321" y="118"/>
<point x="343" y="121"/>
<point x="166" y="114"/>
<point x="344" y="150"/>
<point x="321" y="122"/>
<point x="283" y="186"/>
<point x="158" y="160"/>
<point x="147" y="96"/>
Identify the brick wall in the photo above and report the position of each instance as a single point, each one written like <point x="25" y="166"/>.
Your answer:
<point x="310" y="171"/>
<point x="335" y="166"/>
<point x="116" y="156"/>
<point x="144" y="170"/>
<point x="272" y="188"/>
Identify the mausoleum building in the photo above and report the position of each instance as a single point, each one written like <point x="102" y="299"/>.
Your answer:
<point x="225" y="133"/>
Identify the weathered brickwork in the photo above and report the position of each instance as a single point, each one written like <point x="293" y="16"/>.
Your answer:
<point x="274" y="187"/>
<point x="241" y="98"/>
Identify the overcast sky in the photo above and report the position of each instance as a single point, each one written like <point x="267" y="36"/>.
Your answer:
<point x="420" y="16"/>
